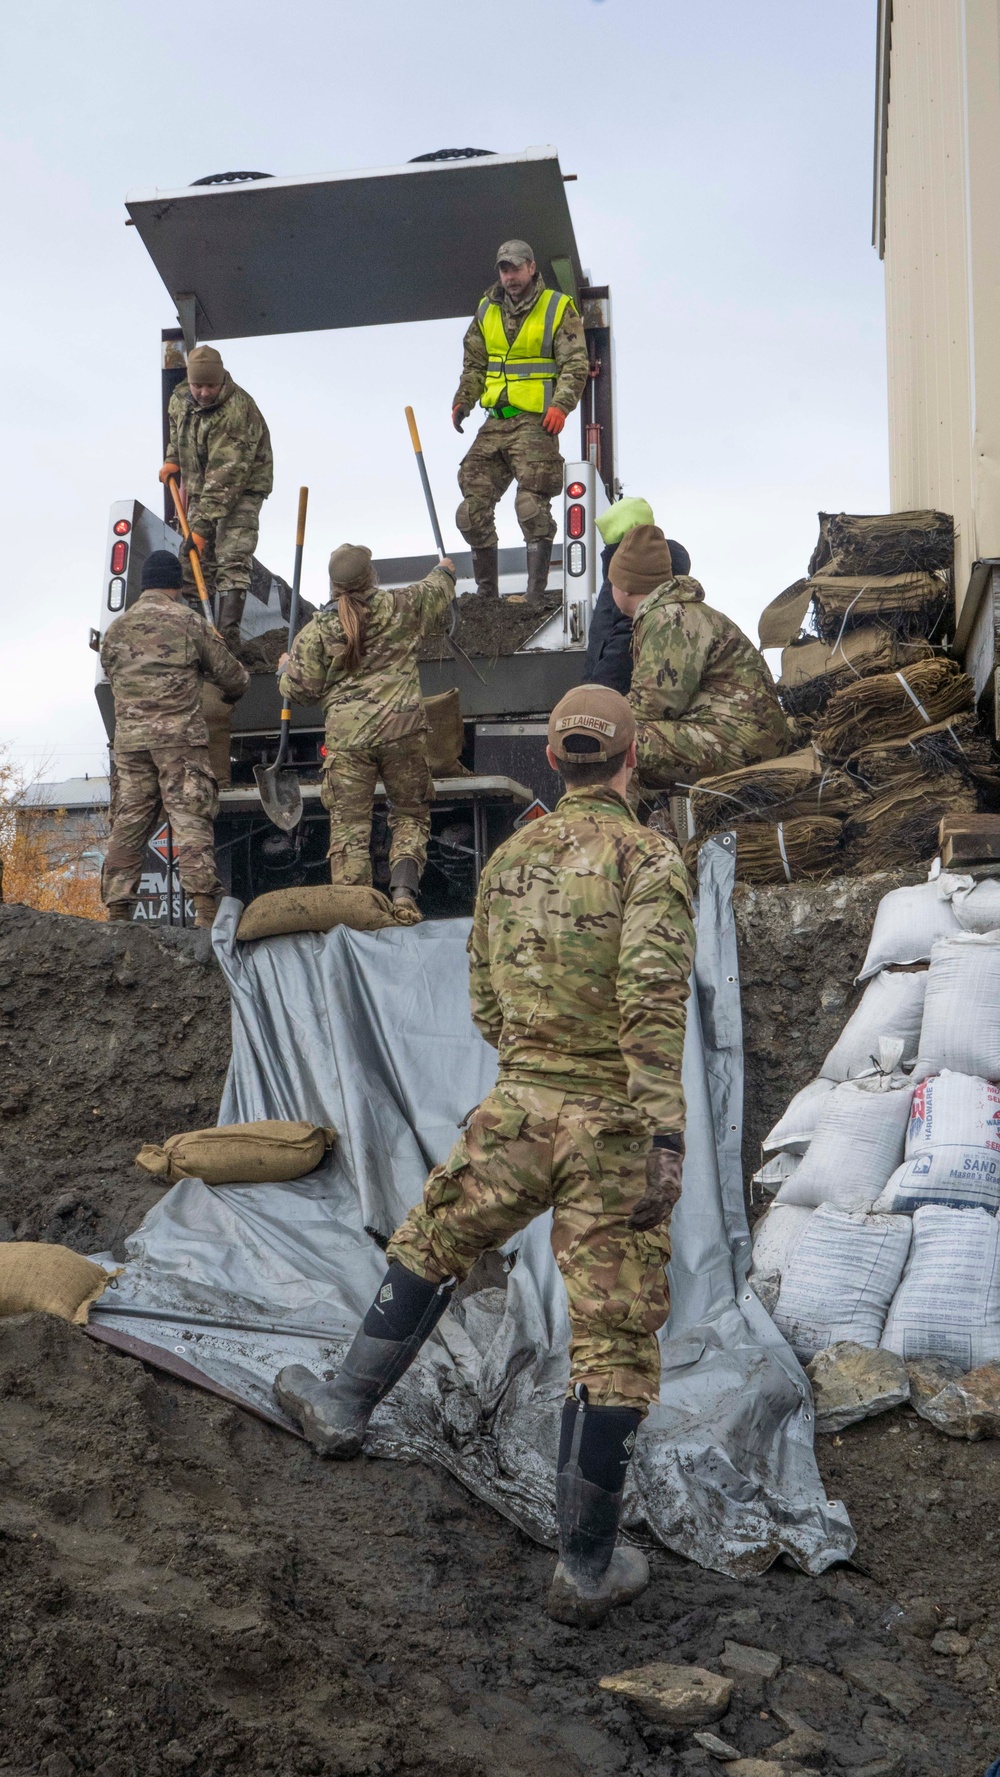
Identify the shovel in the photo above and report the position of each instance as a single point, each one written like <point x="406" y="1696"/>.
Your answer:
<point x="278" y="784"/>
<point x="456" y="647"/>
<point x="199" y="578"/>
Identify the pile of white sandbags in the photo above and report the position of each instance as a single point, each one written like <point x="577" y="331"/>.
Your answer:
<point x="885" y="1227"/>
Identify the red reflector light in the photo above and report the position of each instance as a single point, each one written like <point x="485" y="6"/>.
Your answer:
<point x="322" y="752"/>
<point x="576" y="490"/>
<point x="122" y="528"/>
<point x="119" y="556"/>
<point x="576" y="521"/>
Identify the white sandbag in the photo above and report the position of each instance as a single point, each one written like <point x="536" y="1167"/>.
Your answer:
<point x="839" y="1279"/>
<point x="960" y="1029"/>
<point x="795" y="1130"/>
<point x="976" y="905"/>
<point x="907" y="922"/>
<point x="948" y="1304"/>
<point x="857" y="1146"/>
<point x="774" y="1172"/>
<point x="952" y="1154"/>
<point x="776" y="1234"/>
<point x="892" y="1006"/>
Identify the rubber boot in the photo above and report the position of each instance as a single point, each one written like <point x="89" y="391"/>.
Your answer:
<point x="205" y="909"/>
<point x="334" y="1415"/>
<point x="119" y="910"/>
<point x="403" y="885"/>
<point x="231" y="619"/>
<point x="595" y="1572"/>
<point x="486" y="567"/>
<point x="539" y="553"/>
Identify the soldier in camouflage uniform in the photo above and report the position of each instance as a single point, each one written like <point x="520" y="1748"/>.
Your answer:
<point x="157" y="656"/>
<point x="581" y="950"/>
<point x="221" y="448"/>
<point x="358" y="656"/>
<point x="703" y="698"/>
<point x="526" y="360"/>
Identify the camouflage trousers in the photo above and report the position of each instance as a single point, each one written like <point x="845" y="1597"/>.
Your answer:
<point x="528" y="1149"/>
<point x="178" y="781"/>
<point x="226" y="561"/>
<point x="501" y="452"/>
<point x="348" y="791"/>
<point x="680" y="752"/>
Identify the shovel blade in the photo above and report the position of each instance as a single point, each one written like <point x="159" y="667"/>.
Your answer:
<point x="280" y="795"/>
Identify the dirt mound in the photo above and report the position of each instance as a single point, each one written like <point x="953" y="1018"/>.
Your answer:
<point x="487" y="628"/>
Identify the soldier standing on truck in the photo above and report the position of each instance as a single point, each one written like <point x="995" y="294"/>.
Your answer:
<point x="581" y="949"/>
<point x="526" y="361"/>
<point x="703" y="698"/>
<point x="157" y="655"/>
<point x="221" y="448"/>
<point x="359" y="657"/>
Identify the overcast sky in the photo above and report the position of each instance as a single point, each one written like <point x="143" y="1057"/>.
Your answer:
<point x="723" y="154"/>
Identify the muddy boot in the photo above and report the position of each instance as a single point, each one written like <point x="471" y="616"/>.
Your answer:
<point x="486" y="567"/>
<point x="539" y="553"/>
<point x="403" y="885"/>
<point x="594" y="1572"/>
<point x="334" y="1415"/>
<point x="231" y="619"/>
<point x="119" y="910"/>
<point x="205" y="909"/>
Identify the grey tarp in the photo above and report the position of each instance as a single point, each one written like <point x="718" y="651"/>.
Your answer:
<point x="371" y="1032"/>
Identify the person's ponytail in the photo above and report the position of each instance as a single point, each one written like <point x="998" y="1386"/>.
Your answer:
<point x="353" y="611"/>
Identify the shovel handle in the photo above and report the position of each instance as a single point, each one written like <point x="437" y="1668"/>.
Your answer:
<point x="424" y="480"/>
<point x="293" y="615"/>
<point x="199" y="578"/>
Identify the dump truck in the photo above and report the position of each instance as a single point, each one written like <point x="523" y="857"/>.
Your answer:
<point x="245" y="254"/>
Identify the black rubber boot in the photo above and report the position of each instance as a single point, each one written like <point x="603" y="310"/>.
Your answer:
<point x="334" y="1415"/>
<point x="403" y="885"/>
<point x="486" y="567"/>
<point x="119" y="910"/>
<point x="594" y="1572"/>
<point x="539" y="555"/>
<point x="231" y="619"/>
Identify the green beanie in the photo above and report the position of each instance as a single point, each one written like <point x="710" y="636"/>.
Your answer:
<point x="623" y="516"/>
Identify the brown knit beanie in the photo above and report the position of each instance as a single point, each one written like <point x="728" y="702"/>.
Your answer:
<point x="641" y="562"/>
<point x="205" y="365"/>
<point x="351" y="568"/>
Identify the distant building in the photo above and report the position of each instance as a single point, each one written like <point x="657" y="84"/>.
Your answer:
<point x="72" y="816"/>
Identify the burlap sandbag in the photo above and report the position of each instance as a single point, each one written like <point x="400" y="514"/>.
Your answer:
<point x="445" y="734"/>
<point x="38" y="1278"/>
<point x="316" y="909"/>
<point x="218" y="716"/>
<point x="269" y="1152"/>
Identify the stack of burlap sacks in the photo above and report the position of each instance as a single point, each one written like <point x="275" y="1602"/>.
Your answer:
<point x="889" y="739"/>
<point x="879" y="1257"/>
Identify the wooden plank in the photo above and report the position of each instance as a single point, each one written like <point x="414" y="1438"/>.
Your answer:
<point x="969" y="839"/>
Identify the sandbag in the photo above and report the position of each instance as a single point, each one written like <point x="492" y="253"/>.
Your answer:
<point x="960" y="1030"/>
<point x="36" y="1278"/>
<point x="907" y="923"/>
<point x="948" y="1303"/>
<point x="316" y="909"/>
<point x="858" y="1144"/>
<point x="777" y="1234"/>
<point x="795" y="1130"/>
<point x="775" y="1171"/>
<point x="265" y="1153"/>
<point x="840" y="1277"/>
<point x="892" y="1006"/>
<point x="445" y="734"/>
<point x="976" y="905"/>
<point x="952" y="1154"/>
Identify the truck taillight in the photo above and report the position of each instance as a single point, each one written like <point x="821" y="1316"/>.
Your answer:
<point x="576" y="490"/>
<point x="116" y="595"/>
<point x="576" y="558"/>
<point x="576" y="519"/>
<point x="122" y="528"/>
<point x="119" y="556"/>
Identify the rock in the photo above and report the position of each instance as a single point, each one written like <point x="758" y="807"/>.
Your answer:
<point x="812" y="1693"/>
<point x="749" y="1663"/>
<point x="802" y="1743"/>
<point x="973" y="1671"/>
<point x="178" y="1756"/>
<point x="893" y="1765"/>
<point x="675" y="1696"/>
<point x="767" y="1767"/>
<point x="719" y="1749"/>
<point x="850" y="1383"/>
<point x="947" y="1641"/>
<point x="967" y="1407"/>
<point x="58" y="1765"/>
<point x="928" y="1375"/>
<point x="920" y="1618"/>
<point x="766" y="1286"/>
<point x="883" y="1678"/>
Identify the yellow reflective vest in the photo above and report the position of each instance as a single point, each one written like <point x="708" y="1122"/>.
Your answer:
<point x="522" y="372"/>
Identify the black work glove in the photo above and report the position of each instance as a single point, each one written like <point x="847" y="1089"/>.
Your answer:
<point x="458" y="415"/>
<point x="663" y="1188"/>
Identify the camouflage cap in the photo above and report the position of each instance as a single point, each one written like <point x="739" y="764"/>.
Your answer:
<point x="595" y="716"/>
<point x="351" y="567"/>
<point x="515" y="253"/>
<point x="205" y="365"/>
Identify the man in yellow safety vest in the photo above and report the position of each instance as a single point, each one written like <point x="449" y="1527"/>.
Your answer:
<point x="526" y="362"/>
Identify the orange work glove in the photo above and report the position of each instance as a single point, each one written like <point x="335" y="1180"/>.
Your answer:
<point x="554" y="421"/>
<point x="168" y="470"/>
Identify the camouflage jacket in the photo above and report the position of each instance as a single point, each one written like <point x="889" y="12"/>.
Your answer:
<point x="692" y="664"/>
<point x="224" y="451"/>
<point x="156" y="655"/>
<point x="569" y="349"/>
<point x="581" y="949"/>
<point x="380" y="700"/>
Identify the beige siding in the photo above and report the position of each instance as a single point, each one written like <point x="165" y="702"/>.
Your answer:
<point x="942" y="265"/>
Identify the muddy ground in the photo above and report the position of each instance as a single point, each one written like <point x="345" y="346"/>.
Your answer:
<point x="186" y="1589"/>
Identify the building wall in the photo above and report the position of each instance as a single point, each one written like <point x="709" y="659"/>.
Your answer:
<point x="941" y="220"/>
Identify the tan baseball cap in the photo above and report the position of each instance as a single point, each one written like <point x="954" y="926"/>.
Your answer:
<point x="515" y="253"/>
<point x="587" y="715"/>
